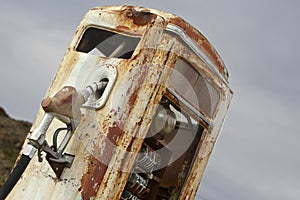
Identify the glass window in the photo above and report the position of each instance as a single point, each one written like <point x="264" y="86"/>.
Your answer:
<point x="105" y="43"/>
<point x="193" y="87"/>
<point x="167" y="155"/>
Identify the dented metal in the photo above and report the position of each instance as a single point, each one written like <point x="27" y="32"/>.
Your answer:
<point x="110" y="140"/>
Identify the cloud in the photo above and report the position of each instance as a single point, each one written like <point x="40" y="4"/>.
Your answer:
<point x="256" y="154"/>
<point x="30" y="55"/>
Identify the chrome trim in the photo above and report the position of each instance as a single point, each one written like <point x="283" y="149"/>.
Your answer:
<point x="40" y="131"/>
<point x="29" y="150"/>
<point x="189" y="106"/>
<point x="105" y="71"/>
<point x="200" y="53"/>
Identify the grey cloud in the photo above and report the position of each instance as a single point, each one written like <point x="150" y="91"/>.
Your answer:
<point x="256" y="154"/>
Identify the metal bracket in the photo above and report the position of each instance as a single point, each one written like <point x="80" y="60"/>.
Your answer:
<point x="54" y="154"/>
<point x="59" y="164"/>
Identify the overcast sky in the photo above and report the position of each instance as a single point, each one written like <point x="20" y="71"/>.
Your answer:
<point x="256" y="155"/>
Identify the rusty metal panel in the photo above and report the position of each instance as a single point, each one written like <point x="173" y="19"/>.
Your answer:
<point x="107" y="141"/>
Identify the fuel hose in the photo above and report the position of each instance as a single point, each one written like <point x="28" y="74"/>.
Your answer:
<point x="14" y="176"/>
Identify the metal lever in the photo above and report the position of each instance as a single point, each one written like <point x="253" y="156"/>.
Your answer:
<point x="59" y="161"/>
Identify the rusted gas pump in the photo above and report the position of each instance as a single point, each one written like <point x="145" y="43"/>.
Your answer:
<point x="133" y="112"/>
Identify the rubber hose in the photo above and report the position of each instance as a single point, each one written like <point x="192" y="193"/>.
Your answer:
<point x="14" y="177"/>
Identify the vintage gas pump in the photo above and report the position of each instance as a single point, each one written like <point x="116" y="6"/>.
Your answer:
<point x="133" y="112"/>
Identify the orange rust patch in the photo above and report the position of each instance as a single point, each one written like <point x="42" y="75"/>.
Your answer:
<point x="114" y="132"/>
<point x="90" y="181"/>
<point x="96" y="169"/>
<point x="138" y="80"/>
<point x="191" y="32"/>
<point x="210" y="51"/>
<point x="122" y="28"/>
<point x="202" y="42"/>
<point x="140" y="18"/>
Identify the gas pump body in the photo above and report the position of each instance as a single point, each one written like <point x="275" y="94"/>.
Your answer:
<point x="150" y="132"/>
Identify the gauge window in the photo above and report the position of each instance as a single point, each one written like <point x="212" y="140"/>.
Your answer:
<point x="187" y="82"/>
<point x="106" y="43"/>
<point x="162" y="166"/>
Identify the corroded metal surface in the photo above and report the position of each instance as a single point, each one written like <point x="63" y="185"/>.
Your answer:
<point x="106" y="141"/>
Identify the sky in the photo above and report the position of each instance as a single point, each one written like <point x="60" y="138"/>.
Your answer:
<point x="256" y="154"/>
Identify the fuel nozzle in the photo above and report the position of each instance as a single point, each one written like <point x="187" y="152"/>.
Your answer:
<point x="66" y="103"/>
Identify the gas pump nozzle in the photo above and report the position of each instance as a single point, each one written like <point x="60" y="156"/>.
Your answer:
<point x="64" y="105"/>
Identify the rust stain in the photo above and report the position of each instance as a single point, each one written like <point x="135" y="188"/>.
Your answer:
<point x="128" y="30"/>
<point x="140" y="18"/>
<point x="191" y="32"/>
<point x="213" y="54"/>
<point x="96" y="169"/>
<point x="91" y="180"/>
<point x="113" y="133"/>
<point x="202" y="43"/>
<point x="95" y="8"/>
<point x="122" y="28"/>
<point x="133" y="91"/>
